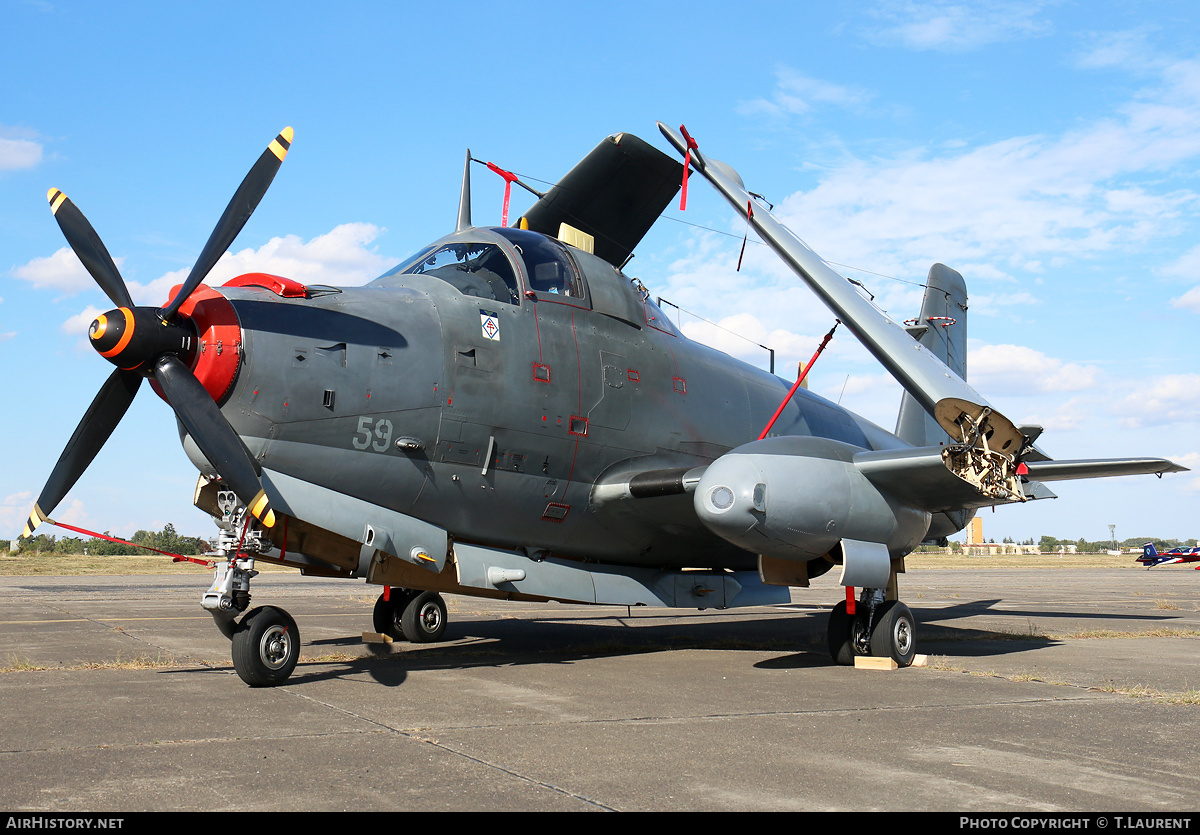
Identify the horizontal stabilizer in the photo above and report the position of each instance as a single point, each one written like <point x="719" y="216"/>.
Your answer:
<point x="1099" y="468"/>
<point x="919" y="477"/>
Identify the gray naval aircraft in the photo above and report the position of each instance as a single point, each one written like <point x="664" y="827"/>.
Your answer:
<point x="507" y="415"/>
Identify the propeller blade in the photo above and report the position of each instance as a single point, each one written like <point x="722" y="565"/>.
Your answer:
<point x="213" y="434"/>
<point x="88" y="247"/>
<point x="98" y="423"/>
<point x="244" y="201"/>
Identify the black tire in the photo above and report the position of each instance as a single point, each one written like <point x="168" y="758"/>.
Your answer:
<point x="839" y="635"/>
<point x="388" y="613"/>
<point x="895" y="633"/>
<point x="424" y="618"/>
<point x="266" y="647"/>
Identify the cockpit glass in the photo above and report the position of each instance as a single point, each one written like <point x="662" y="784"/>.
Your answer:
<point x="547" y="264"/>
<point x="399" y="268"/>
<point x="476" y="269"/>
<point x="655" y="317"/>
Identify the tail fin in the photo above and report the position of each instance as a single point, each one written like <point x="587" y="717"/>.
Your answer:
<point x="942" y="328"/>
<point x="1149" y="555"/>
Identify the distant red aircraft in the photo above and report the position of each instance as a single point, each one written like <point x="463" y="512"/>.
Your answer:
<point x="1150" y="557"/>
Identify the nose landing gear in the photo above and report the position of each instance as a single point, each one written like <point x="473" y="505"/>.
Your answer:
<point x="266" y="642"/>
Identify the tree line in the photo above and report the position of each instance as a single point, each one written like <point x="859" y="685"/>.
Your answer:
<point x="1050" y="544"/>
<point x="165" y="540"/>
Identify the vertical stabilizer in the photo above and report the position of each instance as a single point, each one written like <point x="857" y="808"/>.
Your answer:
<point x="942" y="328"/>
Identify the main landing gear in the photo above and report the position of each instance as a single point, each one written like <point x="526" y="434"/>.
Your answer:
<point x="410" y="615"/>
<point x="880" y="628"/>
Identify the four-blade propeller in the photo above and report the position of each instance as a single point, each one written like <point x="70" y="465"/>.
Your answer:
<point x="148" y="342"/>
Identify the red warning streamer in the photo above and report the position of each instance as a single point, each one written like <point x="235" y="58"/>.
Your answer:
<point x="509" y="179"/>
<point x="800" y="379"/>
<point x="175" y="557"/>
<point x="687" y="162"/>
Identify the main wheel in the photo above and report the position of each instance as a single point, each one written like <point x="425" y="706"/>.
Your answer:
<point x="388" y="613"/>
<point x="840" y="636"/>
<point x="895" y="633"/>
<point x="266" y="647"/>
<point x="424" y="618"/>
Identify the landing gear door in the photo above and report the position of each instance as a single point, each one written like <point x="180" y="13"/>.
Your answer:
<point x="375" y="528"/>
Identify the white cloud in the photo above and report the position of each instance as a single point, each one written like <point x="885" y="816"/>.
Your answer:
<point x="14" y="511"/>
<point x="1186" y="266"/>
<point x="61" y="271"/>
<point x="744" y="336"/>
<point x="1016" y="201"/>
<point x="997" y="304"/>
<point x="340" y="257"/>
<point x="78" y="325"/>
<point x="1171" y="398"/>
<point x="17" y="150"/>
<point x="875" y="397"/>
<point x="1191" y="460"/>
<point x="1021" y="204"/>
<point x="1189" y="300"/>
<point x="798" y="94"/>
<point x="1128" y="49"/>
<point x="1017" y="370"/>
<point x="957" y="27"/>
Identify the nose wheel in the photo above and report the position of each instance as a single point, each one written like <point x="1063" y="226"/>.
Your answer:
<point x="266" y="647"/>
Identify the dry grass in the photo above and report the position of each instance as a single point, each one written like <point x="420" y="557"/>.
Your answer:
<point x="1162" y="632"/>
<point x="73" y="565"/>
<point x="1184" y="697"/>
<point x="137" y="662"/>
<point x="928" y="560"/>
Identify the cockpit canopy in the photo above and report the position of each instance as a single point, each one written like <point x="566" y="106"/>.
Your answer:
<point x="548" y="265"/>
<point x="476" y="269"/>
<point x="484" y="270"/>
<point x="503" y="264"/>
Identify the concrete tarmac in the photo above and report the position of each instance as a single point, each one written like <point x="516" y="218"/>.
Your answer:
<point x="1047" y="690"/>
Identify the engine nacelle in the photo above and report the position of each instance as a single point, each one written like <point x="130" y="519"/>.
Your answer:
<point x="797" y="497"/>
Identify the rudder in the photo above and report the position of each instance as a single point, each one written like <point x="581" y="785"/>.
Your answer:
<point x="942" y="328"/>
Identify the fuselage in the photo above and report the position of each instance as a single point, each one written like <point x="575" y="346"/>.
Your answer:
<point x="490" y="383"/>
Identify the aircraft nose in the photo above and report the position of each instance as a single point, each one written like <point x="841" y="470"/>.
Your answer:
<point x="731" y="496"/>
<point x="109" y="332"/>
<point x="132" y="337"/>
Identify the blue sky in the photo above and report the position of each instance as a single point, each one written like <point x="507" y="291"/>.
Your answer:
<point x="1047" y="150"/>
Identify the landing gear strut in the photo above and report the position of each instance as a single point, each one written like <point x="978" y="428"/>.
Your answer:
<point x="879" y="628"/>
<point x="266" y="642"/>
<point x="409" y="615"/>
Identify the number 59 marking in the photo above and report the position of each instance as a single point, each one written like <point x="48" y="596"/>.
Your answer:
<point x="382" y="432"/>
